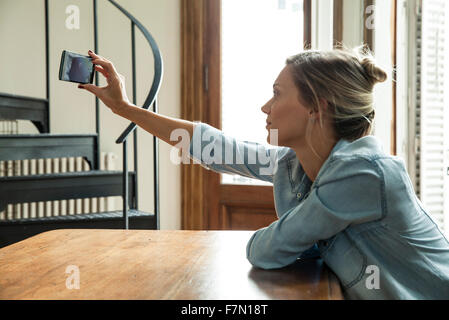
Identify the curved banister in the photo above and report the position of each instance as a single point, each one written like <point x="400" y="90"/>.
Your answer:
<point x="151" y="100"/>
<point x="158" y="69"/>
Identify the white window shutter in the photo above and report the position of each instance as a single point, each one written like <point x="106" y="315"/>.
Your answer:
<point x="431" y="109"/>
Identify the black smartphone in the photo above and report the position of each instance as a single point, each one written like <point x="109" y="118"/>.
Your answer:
<point x="75" y="67"/>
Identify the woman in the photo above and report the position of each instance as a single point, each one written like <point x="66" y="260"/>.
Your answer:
<point x="337" y="194"/>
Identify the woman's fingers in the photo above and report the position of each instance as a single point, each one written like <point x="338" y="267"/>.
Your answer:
<point x="107" y="66"/>
<point x="90" y="87"/>
<point x="102" y="71"/>
<point x="93" y="55"/>
<point x="103" y="62"/>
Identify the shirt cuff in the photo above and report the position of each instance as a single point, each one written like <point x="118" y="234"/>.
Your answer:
<point x="195" y="146"/>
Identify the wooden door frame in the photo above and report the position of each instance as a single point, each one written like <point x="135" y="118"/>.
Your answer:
<point x="200" y="69"/>
<point x="368" y="34"/>
<point x="394" y="119"/>
<point x="338" y="23"/>
<point x="307" y="24"/>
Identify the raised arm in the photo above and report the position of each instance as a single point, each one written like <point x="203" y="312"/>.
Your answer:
<point x="156" y="124"/>
<point x="224" y="154"/>
<point x="114" y="96"/>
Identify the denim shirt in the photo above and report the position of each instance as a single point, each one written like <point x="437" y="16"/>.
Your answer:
<point x="361" y="216"/>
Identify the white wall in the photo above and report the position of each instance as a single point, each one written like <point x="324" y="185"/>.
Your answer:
<point x="22" y="71"/>
<point x="22" y="53"/>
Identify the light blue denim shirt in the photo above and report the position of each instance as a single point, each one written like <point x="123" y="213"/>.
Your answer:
<point x="361" y="216"/>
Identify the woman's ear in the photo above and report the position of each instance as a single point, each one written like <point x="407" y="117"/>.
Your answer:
<point x="323" y="108"/>
<point x="312" y="113"/>
<point x="316" y="114"/>
<point x="313" y="116"/>
<point x="323" y="104"/>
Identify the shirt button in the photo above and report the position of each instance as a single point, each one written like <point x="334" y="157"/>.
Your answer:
<point x="298" y="195"/>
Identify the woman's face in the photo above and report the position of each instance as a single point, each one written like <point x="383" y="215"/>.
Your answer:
<point x="285" y="113"/>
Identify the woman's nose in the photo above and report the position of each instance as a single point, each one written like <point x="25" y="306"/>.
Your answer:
<point x="266" y="108"/>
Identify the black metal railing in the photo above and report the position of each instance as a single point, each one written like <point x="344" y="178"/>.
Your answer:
<point x="151" y="100"/>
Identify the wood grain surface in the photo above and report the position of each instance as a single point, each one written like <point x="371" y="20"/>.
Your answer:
<point x="153" y="264"/>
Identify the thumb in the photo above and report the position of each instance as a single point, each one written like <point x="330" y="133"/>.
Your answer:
<point x="89" y="87"/>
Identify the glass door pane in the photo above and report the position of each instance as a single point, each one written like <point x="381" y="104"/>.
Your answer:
<point x="257" y="38"/>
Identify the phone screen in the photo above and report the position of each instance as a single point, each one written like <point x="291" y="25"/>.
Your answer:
<point x="76" y="68"/>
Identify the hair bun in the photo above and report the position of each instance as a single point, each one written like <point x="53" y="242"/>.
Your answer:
<point x="375" y="73"/>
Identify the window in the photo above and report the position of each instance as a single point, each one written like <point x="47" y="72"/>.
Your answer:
<point x="257" y="38"/>
<point x="428" y="159"/>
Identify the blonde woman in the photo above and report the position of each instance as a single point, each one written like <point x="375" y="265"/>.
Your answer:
<point x="337" y="194"/>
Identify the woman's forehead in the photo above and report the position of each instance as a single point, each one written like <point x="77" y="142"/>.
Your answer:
<point x="284" y="79"/>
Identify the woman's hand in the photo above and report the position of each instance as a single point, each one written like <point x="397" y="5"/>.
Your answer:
<point x="114" y="94"/>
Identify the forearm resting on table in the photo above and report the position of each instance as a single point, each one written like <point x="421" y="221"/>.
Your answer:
<point x="156" y="124"/>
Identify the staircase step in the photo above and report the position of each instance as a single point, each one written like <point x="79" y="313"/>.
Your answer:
<point x="15" y="107"/>
<point x="46" y="146"/>
<point x="99" y="216"/>
<point x="12" y="231"/>
<point x="63" y="186"/>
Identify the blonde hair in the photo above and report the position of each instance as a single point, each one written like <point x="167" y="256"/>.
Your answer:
<point x="345" y="79"/>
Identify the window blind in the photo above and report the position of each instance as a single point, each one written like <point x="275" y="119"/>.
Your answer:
<point x="431" y="120"/>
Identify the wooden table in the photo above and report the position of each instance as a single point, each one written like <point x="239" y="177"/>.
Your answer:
<point x="152" y="264"/>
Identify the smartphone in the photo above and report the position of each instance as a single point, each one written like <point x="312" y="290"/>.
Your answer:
<point x="75" y="67"/>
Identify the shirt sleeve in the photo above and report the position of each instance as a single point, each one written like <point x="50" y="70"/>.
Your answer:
<point x="349" y="192"/>
<point x="215" y="151"/>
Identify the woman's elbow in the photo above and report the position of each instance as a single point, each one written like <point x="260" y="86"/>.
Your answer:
<point x="263" y="260"/>
<point x="261" y="264"/>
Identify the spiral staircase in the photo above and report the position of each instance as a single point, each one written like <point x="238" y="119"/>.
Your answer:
<point x="74" y="185"/>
